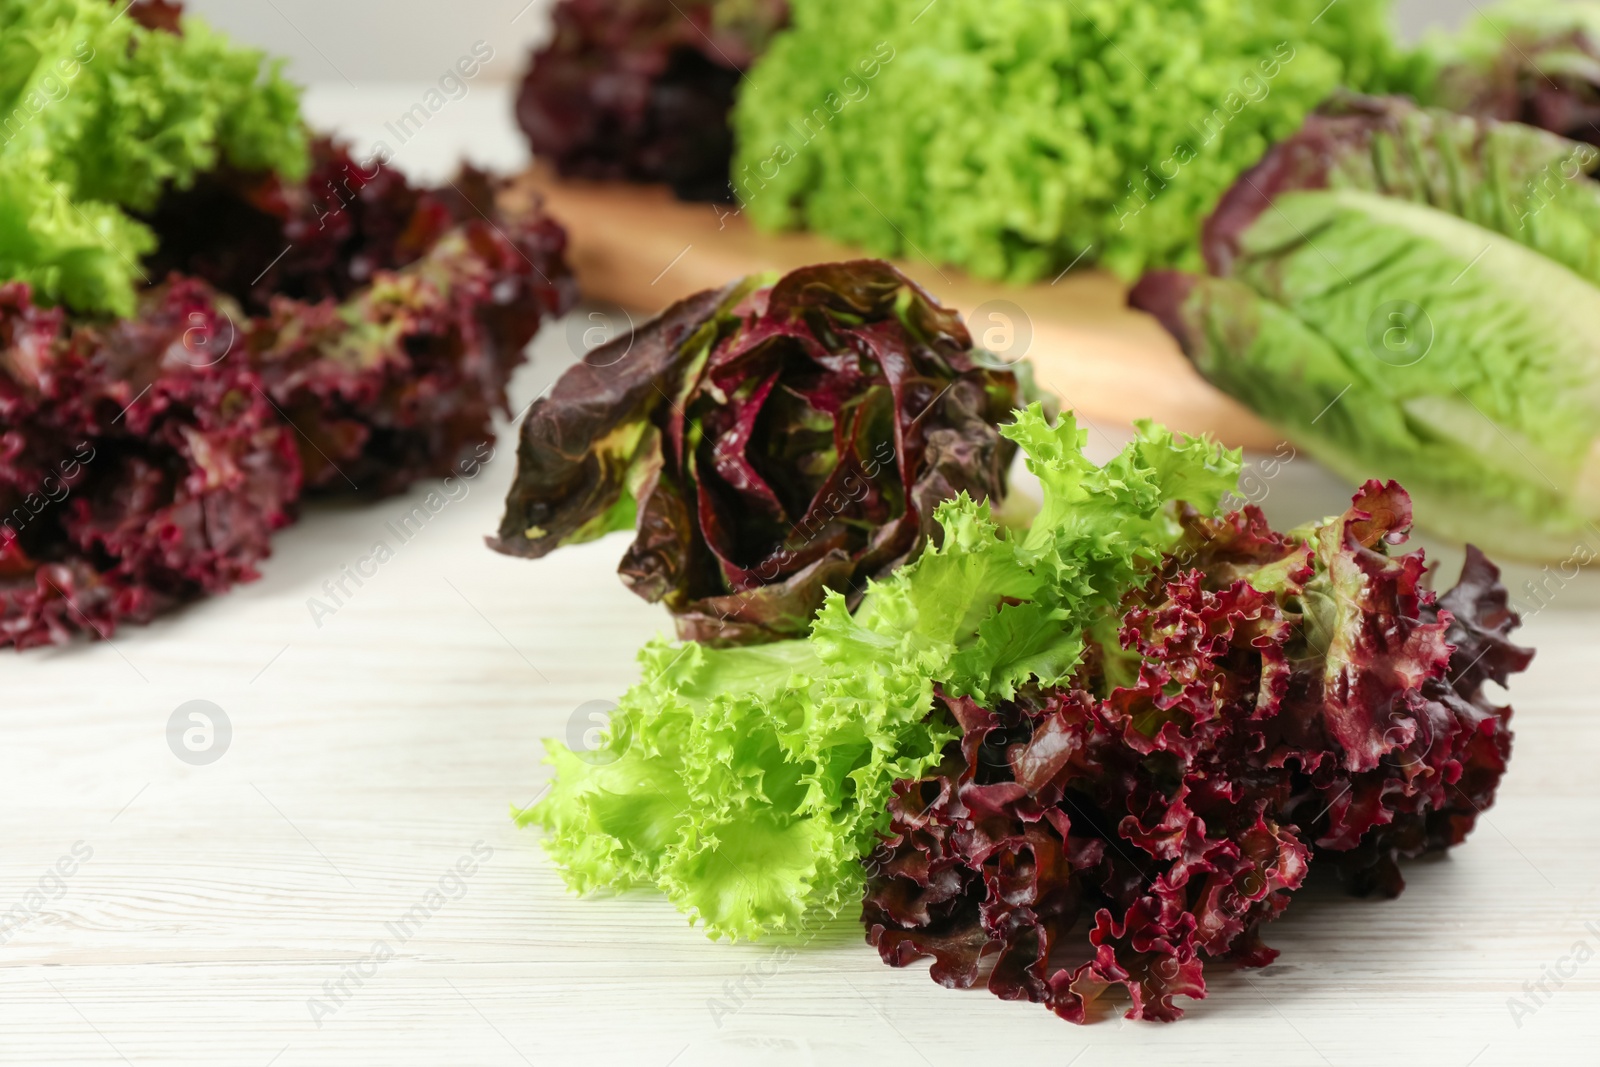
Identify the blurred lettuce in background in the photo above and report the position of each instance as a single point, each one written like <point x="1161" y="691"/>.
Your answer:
<point x="1017" y="137"/>
<point x="1532" y="61"/>
<point x="104" y="106"/>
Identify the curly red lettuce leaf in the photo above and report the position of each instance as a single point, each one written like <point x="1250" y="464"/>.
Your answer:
<point x="402" y="381"/>
<point x="1292" y="697"/>
<point x="135" y="472"/>
<point x="770" y="442"/>
<point x="256" y="235"/>
<point x="642" y="90"/>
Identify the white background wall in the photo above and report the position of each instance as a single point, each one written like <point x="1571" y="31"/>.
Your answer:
<point x="364" y="41"/>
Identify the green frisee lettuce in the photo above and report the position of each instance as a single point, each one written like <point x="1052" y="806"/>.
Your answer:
<point x="1016" y="137"/>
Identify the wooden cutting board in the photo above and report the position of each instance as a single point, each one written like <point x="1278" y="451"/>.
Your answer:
<point x="638" y="247"/>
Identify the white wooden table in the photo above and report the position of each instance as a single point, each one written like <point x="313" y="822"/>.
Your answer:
<point x="253" y="911"/>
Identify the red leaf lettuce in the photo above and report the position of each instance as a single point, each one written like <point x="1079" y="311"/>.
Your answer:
<point x="373" y="352"/>
<point x="1269" y="700"/>
<point x="1531" y="61"/>
<point x="640" y="90"/>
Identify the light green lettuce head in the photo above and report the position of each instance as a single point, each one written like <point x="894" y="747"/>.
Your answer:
<point x="97" y="116"/>
<point x="1015" y="137"/>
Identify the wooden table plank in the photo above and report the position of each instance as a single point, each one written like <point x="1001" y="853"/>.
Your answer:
<point x="638" y="247"/>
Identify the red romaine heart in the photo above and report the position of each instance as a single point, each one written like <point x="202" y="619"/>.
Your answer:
<point x="770" y="442"/>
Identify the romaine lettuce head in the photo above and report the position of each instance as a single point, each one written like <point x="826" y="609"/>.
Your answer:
<point x="1412" y="295"/>
<point x="770" y="441"/>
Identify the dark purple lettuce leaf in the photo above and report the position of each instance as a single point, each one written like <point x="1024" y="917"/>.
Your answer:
<point x="1292" y="699"/>
<point x="317" y="239"/>
<point x="769" y="442"/>
<point x="164" y="15"/>
<point x="135" y="473"/>
<point x="402" y="380"/>
<point x="640" y="90"/>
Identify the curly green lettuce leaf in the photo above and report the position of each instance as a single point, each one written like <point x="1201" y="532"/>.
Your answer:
<point x="746" y="783"/>
<point x="83" y="254"/>
<point x="100" y="114"/>
<point x="1017" y="137"/>
<point x="176" y="106"/>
